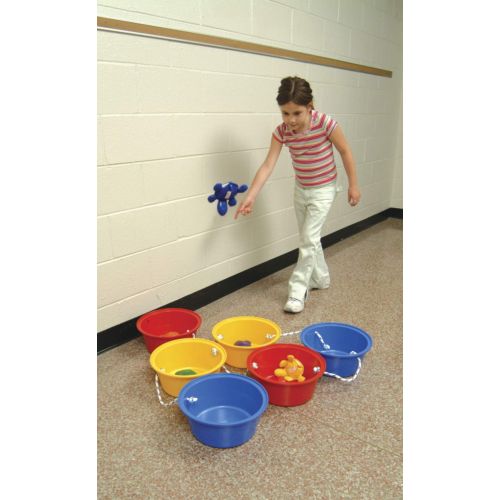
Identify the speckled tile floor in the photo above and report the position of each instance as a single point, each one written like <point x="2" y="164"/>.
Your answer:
<point x="344" y="443"/>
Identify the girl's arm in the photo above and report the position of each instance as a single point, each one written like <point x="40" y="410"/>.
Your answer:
<point x="265" y="170"/>
<point x="339" y="141"/>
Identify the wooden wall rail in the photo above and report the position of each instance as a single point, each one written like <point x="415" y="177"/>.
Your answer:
<point x="104" y="23"/>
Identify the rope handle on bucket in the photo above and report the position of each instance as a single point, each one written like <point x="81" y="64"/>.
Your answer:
<point x="268" y="335"/>
<point x="236" y="372"/>
<point x="290" y="333"/>
<point x="346" y="379"/>
<point x="158" y="393"/>
<point x="191" y="399"/>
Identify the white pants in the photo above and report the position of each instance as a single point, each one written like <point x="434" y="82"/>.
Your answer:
<point x="311" y="208"/>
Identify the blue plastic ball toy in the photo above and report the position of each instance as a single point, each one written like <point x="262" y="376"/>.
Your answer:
<point x="226" y="193"/>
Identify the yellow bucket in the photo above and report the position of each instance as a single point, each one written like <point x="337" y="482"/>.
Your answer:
<point x="244" y="330"/>
<point x="193" y="357"/>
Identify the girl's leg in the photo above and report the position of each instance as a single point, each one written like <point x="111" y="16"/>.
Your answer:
<point x="320" y="277"/>
<point x="311" y="208"/>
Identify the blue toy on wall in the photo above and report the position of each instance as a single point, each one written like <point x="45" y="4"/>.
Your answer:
<point x="226" y="193"/>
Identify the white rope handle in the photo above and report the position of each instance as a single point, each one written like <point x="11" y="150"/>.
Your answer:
<point x="158" y="393"/>
<point x="191" y="399"/>
<point x="290" y="333"/>
<point x="345" y="379"/>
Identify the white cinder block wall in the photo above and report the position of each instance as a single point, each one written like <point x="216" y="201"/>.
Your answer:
<point x="175" y="118"/>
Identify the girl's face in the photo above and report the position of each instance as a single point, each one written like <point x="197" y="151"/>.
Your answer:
<point x="296" y="116"/>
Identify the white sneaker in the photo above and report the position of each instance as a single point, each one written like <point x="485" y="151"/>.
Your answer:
<point x="294" y="305"/>
<point x="323" y="286"/>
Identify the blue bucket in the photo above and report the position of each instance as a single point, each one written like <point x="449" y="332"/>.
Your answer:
<point x="343" y="347"/>
<point x="223" y="409"/>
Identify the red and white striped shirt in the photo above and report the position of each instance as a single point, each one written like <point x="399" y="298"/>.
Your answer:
<point x="311" y="151"/>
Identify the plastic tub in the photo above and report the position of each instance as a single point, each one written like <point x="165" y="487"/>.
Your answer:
<point x="262" y="363"/>
<point x="164" y="325"/>
<point x="223" y="409"/>
<point x="348" y="345"/>
<point x="258" y="332"/>
<point x="197" y="357"/>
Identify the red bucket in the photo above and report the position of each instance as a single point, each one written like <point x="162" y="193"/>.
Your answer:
<point x="164" y="325"/>
<point x="262" y="363"/>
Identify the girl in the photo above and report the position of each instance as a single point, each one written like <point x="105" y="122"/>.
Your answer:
<point x="309" y="135"/>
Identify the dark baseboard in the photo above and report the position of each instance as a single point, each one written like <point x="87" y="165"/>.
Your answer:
<point x="395" y="213"/>
<point x="119" y="334"/>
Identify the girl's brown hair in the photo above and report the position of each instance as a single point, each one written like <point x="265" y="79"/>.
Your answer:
<point x="296" y="90"/>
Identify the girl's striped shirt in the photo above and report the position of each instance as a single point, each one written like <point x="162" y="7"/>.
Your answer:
<point x="311" y="151"/>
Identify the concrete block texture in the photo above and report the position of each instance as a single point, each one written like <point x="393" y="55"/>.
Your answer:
<point x="272" y="20"/>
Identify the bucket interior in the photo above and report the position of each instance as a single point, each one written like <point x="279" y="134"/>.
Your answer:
<point x="169" y="322"/>
<point x="246" y="332"/>
<point x="188" y="356"/>
<point x="268" y="359"/>
<point x="223" y="414"/>
<point x="341" y="338"/>
<point x="223" y="399"/>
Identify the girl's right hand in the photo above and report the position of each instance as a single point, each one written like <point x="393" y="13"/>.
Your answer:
<point x="244" y="207"/>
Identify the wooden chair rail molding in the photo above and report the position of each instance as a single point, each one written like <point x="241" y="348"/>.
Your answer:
<point x="107" y="24"/>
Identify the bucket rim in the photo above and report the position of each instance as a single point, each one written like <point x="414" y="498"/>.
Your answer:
<point x="183" y="407"/>
<point x="306" y="332"/>
<point x="273" y="347"/>
<point x="171" y="344"/>
<point x="163" y="310"/>
<point x="250" y="347"/>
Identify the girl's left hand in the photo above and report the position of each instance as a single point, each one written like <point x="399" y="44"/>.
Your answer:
<point x="353" y="196"/>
